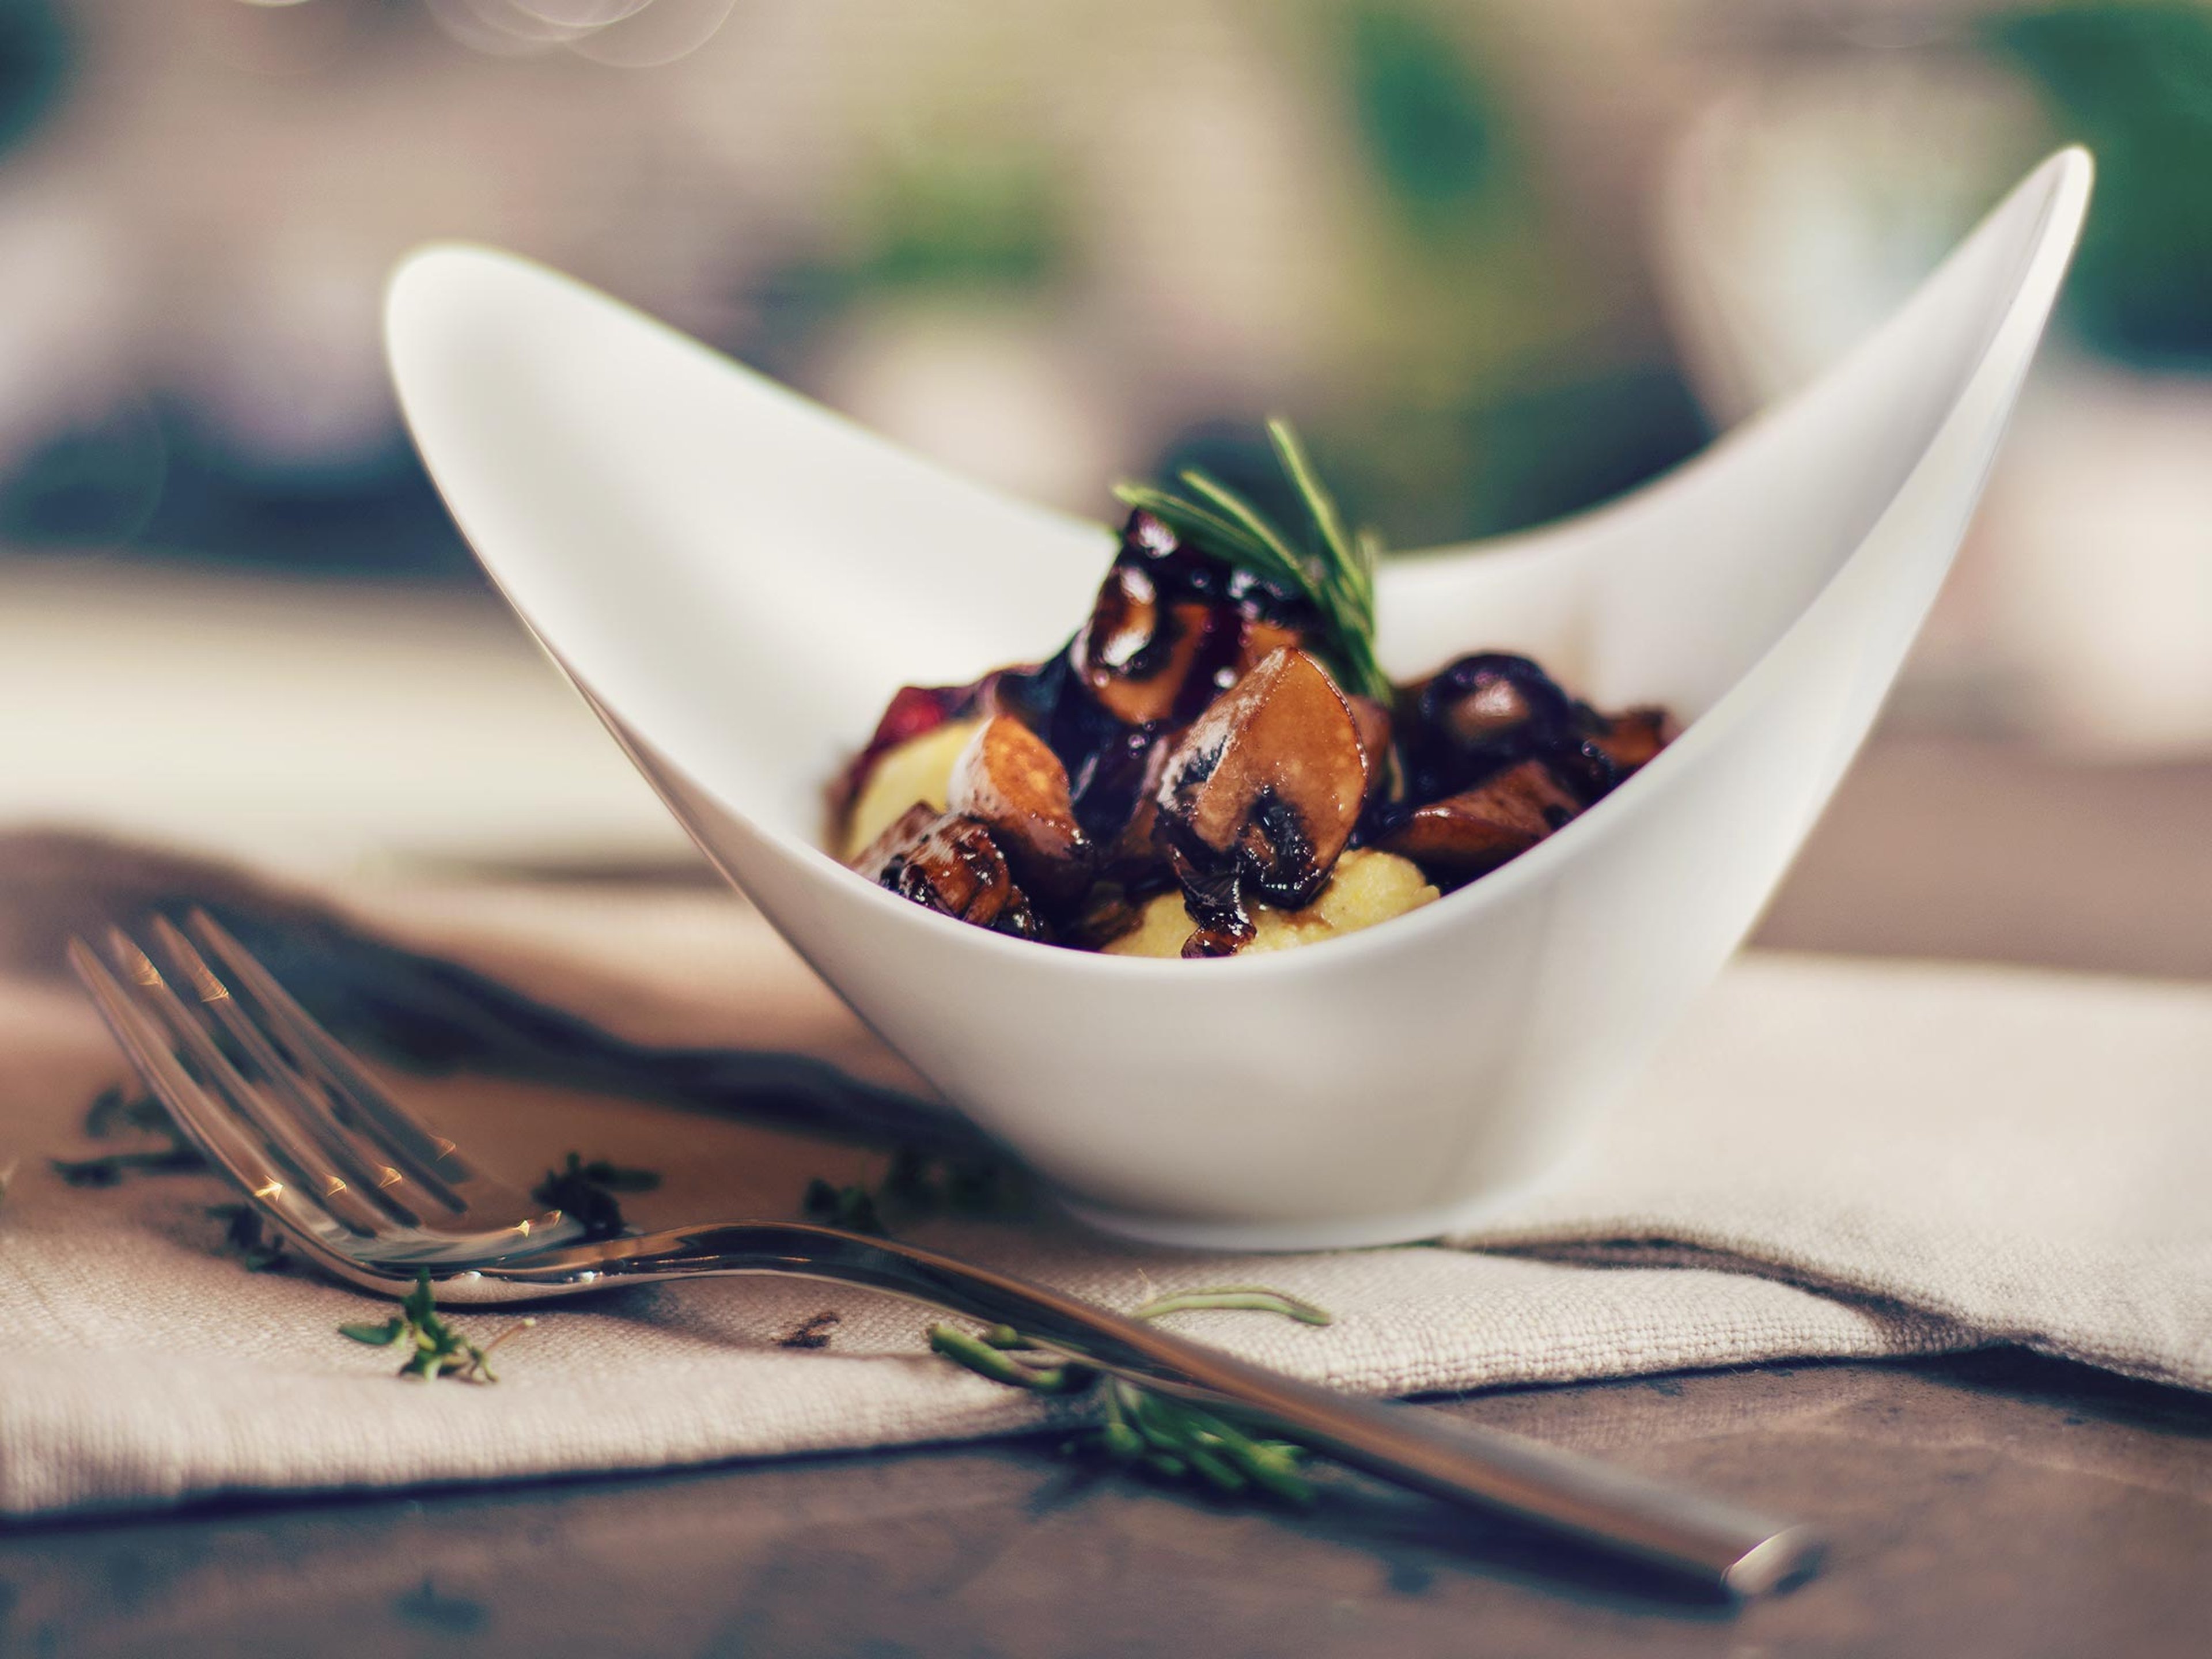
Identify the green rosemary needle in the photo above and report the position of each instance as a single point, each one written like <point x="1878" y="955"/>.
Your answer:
<point x="1334" y="568"/>
<point x="1138" y="1428"/>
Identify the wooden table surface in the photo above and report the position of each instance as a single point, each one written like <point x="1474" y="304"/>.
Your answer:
<point x="1996" y="1503"/>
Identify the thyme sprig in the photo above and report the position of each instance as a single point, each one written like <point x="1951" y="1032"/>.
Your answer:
<point x="1140" y="1428"/>
<point x="115" y="1112"/>
<point x="1332" y="567"/>
<point x="435" y="1348"/>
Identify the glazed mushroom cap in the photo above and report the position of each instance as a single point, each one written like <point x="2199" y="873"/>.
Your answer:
<point x="1472" y="832"/>
<point x="1479" y="714"/>
<point x="1136" y="652"/>
<point x="950" y="864"/>
<point x="1008" y="779"/>
<point x="1268" y="783"/>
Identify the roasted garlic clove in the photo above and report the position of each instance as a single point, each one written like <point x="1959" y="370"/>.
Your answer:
<point x="1472" y="833"/>
<point x="950" y="865"/>
<point x="1008" y="779"/>
<point x="1266" y="784"/>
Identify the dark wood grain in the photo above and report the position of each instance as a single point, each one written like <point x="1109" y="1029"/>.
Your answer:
<point x="1997" y="1503"/>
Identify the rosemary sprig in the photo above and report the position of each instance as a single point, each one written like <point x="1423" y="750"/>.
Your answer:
<point x="589" y="1192"/>
<point x="1139" y="1428"/>
<point x="435" y="1348"/>
<point x="1334" y="568"/>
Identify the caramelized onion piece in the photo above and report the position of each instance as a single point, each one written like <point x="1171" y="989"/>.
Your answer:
<point x="1265" y="788"/>
<point x="1009" y="780"/>
<point x="1472" y="833"/>
<point x="950" y="865"/>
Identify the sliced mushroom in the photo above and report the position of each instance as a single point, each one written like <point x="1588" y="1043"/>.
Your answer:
<point x="1472" y="832"/>
<point x="1481" y="713"/>
<point x="1008" y="779"/>
<point x="1266" y="785"/>
<point x="1629" y="741"/>
<point x="950" y="865"/>
<point x="1136" y="653"/>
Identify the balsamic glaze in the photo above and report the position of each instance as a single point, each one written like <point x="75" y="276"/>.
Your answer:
<point x="1172" y="629"/>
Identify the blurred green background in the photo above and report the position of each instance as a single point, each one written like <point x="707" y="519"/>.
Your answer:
<point x="1500" y="259"/>
<point x="1416" y="225"/>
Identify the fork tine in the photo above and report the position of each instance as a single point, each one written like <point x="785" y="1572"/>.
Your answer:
<point x="347" y="1101"/>
<point x="431" y="1158"/>
<point x="222" y="1115"/>
<point x="310" y="1105"/>
<point x="308" y="1117"/>
<point x="202" y="1122"/>
<point x="191" y="1037"/>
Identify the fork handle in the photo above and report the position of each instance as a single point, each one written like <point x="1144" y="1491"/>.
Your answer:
<point x="1718" y="1545"/>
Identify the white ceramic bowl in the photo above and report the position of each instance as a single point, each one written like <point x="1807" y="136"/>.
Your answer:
<point x="737" y="580"/>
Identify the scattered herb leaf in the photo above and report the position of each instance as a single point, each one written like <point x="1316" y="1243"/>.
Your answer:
<point x="915" y="1186"/>
<point x="1139" y="1428"/>
<point x="109" y="1169"/>
<point x="251" y="1238"/>
<point x="435" y="1348"/>
<point x="852" y="1208"/>
<point x="1334" y="568"/>
<point x="812" y="1333"/>
<point x="587" y="1192"/>
<point x="113" y="1112"/>
<point x="115" y="1109"/>
<point x="1255" y="1298"/>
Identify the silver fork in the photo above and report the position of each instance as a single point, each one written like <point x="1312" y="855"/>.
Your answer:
<point x="373" y="1197"/>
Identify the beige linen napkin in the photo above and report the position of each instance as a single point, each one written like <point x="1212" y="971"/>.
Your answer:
<point x="1832" y="1159"/>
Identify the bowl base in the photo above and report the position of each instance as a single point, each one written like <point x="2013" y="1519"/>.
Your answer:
<point x="1322" y="1233"/>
